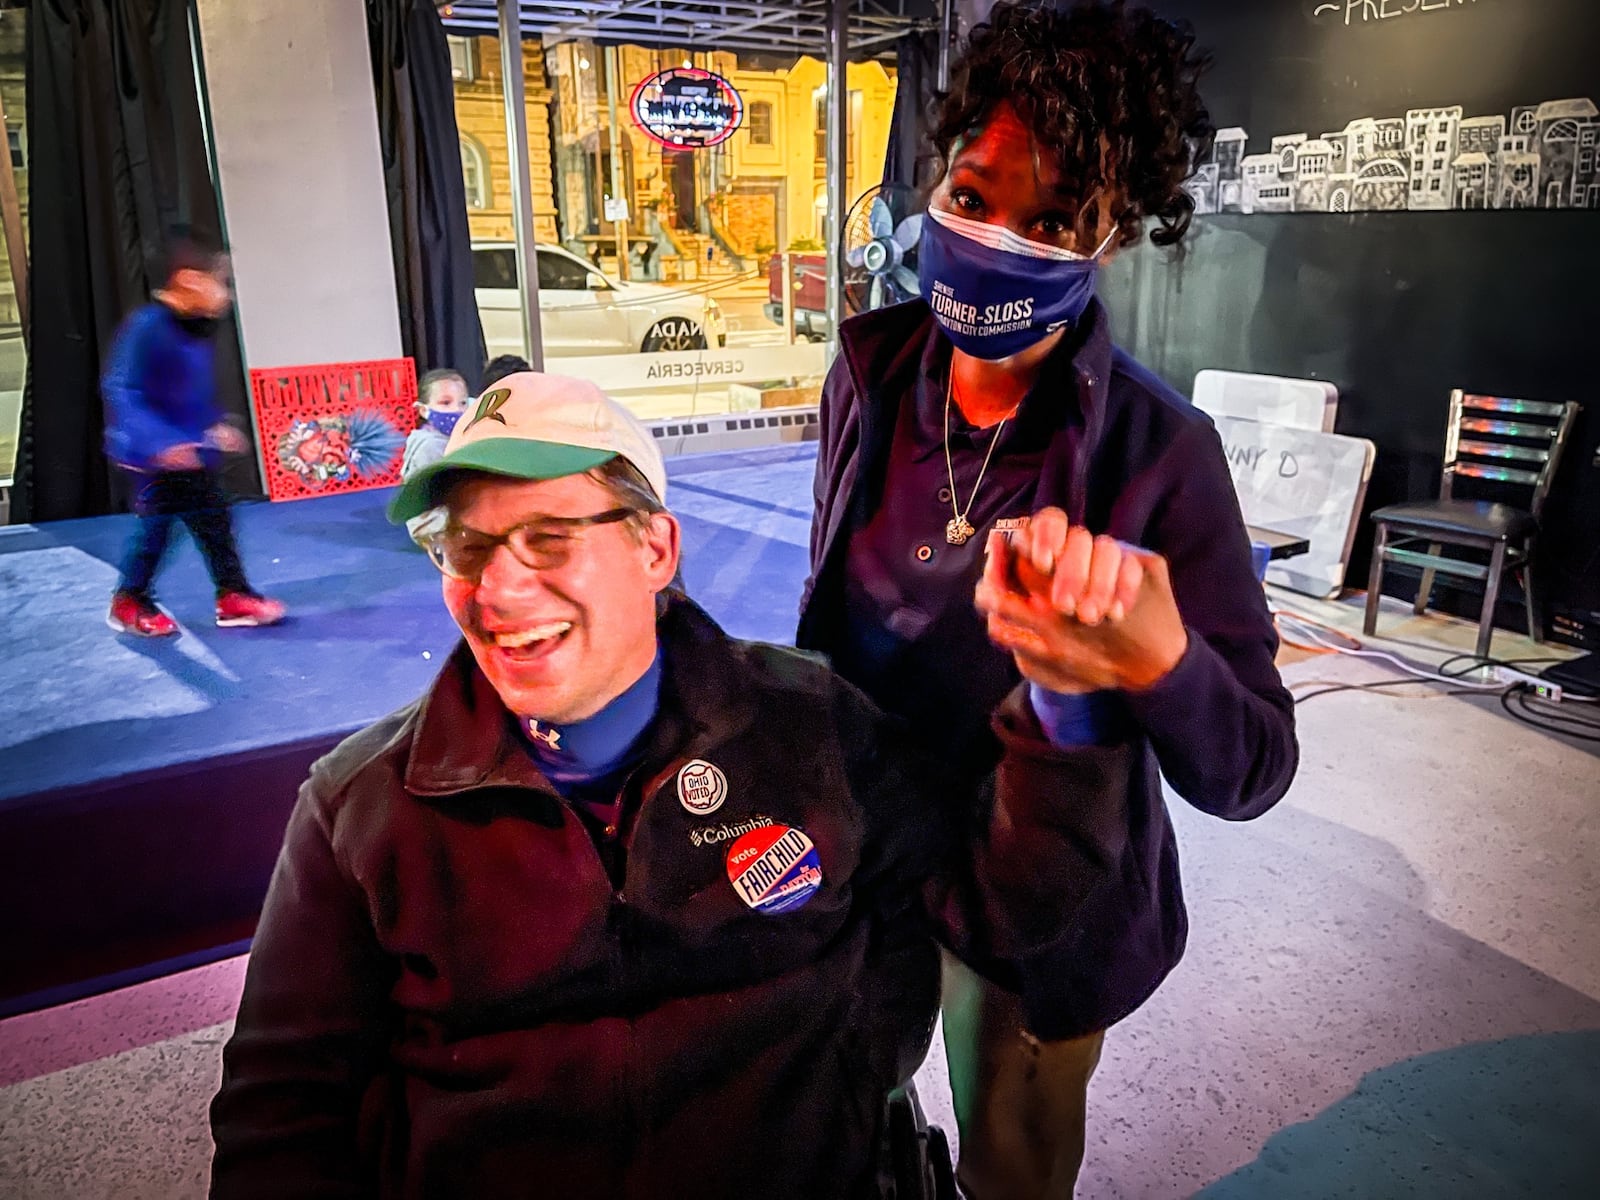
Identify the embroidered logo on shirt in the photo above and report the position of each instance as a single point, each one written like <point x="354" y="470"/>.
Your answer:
<point x="550" y="737"/>
<point x="1011" y="526"/>
<point x="712" y="834"/>
<point x="701" y="787"/>
<point x="774" y="869"/>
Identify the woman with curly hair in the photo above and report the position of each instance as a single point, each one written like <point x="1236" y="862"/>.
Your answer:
<point x="987" y="453"/>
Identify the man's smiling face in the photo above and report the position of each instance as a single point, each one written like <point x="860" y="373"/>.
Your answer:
<point x="560" y="641"/>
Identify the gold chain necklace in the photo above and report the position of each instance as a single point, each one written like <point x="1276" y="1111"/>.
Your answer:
<point x="958" y="529"/>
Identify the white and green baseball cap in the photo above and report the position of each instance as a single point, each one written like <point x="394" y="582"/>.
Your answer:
<point x="535" y="426"/>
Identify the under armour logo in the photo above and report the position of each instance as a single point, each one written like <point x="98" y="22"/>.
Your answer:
<point x="489" y="406"/>
<point x="550" y="737"/>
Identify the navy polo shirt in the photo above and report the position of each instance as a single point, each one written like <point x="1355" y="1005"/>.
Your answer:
<point x="914" y="640"/>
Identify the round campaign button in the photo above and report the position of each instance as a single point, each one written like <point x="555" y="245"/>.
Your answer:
<point x="774" y="869"/>
<point x="701" y="787"/>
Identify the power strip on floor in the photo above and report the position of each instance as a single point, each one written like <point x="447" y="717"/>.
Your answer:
<point x="1540" y="687"/>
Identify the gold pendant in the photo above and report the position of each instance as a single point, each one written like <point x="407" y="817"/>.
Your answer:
<point x="957" y="530"/>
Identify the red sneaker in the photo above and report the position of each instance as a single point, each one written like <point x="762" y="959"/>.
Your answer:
<point x="238" y="608"/>
<point x="129" y="614"/>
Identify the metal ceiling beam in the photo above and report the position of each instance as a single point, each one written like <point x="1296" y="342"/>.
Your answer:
<point x="798" y="26"/>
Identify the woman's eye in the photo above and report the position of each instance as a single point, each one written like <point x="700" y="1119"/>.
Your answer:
<point x="966" y="201"/>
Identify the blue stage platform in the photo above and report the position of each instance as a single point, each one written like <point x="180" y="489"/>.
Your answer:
<point x="145" y="784"/>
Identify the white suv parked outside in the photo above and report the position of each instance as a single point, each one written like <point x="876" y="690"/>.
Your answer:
<point x="583" y="311"/>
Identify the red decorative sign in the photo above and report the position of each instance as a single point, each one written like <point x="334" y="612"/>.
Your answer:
<point x="334" y="427"/>
<point x="685" y="108"/>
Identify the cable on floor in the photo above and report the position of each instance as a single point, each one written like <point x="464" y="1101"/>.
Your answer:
<point x="1313" y="630"/>
<point x="1302" y="697"/>
<point x="1519" y="702"/>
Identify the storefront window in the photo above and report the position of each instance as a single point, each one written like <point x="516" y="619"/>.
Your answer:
<point x="461" y="60"/>
<point x="475" y="173"/>
<point x="13" y="222"/>
<point x="760" y="123"/>
<point x="661" y="268"/>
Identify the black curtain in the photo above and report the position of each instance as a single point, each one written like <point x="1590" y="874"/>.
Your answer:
<point x="910" y="157"/>
<point x="427" y="197"/>
<point x="117" y="154"/>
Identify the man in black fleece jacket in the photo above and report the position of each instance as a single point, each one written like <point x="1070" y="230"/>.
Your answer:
<point x="622" y="907"/>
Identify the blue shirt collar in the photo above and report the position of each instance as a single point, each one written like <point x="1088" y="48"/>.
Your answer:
<point x="581" y="751"/>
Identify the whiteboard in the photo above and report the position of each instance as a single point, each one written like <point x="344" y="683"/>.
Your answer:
<point x="1303" y="403"/>
<point x="1305" y="482"/>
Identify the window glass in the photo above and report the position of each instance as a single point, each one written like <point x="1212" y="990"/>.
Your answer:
<point x="461" y="64"/>
<point x="474" y="174"/>
<point x="696" y="324"/>
<point x="761" y="124"/>
<point x="562" y="274"/>
<point x="13" y="352"/>
<point x="494" y="268"/>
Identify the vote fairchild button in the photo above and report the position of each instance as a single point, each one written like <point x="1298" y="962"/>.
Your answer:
<point x="774" y="869"/>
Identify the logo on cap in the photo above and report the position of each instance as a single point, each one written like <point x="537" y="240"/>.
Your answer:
<point x="489" y="406"/>
<point x="701" y="787"/>
<point x="774" y="869"/>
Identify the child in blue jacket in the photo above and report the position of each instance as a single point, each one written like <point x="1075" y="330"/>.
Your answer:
<point x="164" y="427"/>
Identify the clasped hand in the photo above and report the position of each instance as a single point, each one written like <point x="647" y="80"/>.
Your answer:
<point x="1080" y="613"/>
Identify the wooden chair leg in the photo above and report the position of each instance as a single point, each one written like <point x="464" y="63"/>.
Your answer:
<point x="1491" y="594"/>
<point x="1535" y="630"/>
<point x="1380" y="542"/>
<point x="1425" y="589"/>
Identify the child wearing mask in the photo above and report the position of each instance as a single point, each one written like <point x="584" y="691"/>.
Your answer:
<point x="442" y="398"/>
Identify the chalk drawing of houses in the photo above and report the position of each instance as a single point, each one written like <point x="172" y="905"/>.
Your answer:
<point x="1313" y="161"/>
<point x="1202" y="187"/>
<point x="1482" y="135"/>
<point x="1339" y="157"/>
<point x="1265" y="188"/>
<point x="1524" y="121"/>
<point x="1381" y="186"/>
<point x="1431" y="135"/>
<point x="1586" y="182"/>
<point x="1286" y="146"/>
<point x="1341" y="192"/>
<point x="1473" y="171"/>
<point x="1391" y="136"/>
<point x="1361" y="136"/>
<point x="1228" y="153"/>
<point x="1541" y="155"/>
<point x="1561" y="125"/>
<point x="1518" y="181"/>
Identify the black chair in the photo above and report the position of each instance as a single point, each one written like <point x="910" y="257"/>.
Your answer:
<point x="1512" y="445"/>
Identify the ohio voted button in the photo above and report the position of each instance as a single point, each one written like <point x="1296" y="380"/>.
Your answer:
<point x="774" y="869"/>
<point x="702" y="787"/>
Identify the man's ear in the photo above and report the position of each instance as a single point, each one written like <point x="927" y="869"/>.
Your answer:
<point x="662" y="542"/>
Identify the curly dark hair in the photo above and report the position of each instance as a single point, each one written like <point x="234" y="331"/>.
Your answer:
<point x="1112" y="91"/>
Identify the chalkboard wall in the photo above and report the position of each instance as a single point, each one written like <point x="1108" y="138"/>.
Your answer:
<point x="1395" y="308"/>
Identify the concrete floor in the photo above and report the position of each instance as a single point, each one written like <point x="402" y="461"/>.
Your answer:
<point x="1392" y="987"/>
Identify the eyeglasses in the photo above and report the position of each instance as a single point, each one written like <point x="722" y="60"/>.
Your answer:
<point x="542" y="544"/>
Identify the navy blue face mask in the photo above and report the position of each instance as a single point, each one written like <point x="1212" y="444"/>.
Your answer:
<point x="444" y="422"/>
<point x="996" y="293"/>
